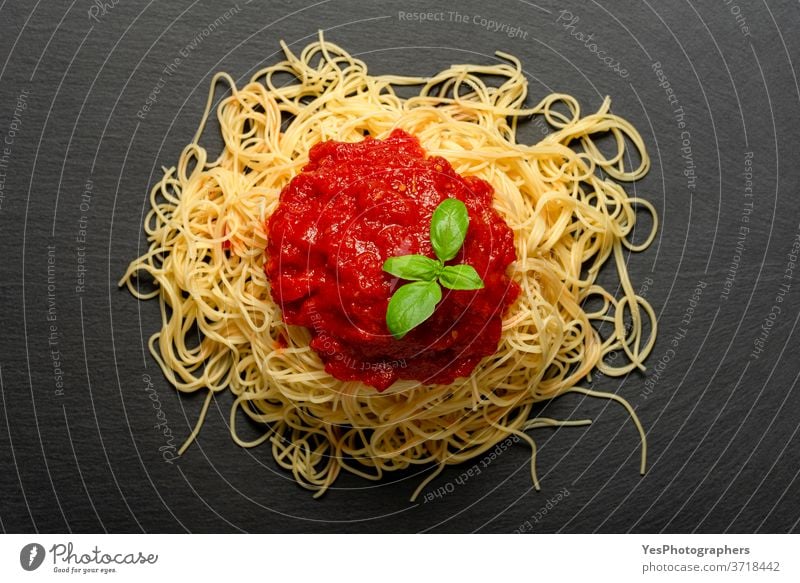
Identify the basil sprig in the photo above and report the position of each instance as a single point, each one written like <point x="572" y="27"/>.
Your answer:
<point x="449" y="228"/>
<point x="413" y="303"/>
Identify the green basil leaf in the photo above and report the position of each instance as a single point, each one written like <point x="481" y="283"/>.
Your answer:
<point x="411" y="305"/>
<point x="448" y="228"/>
<point x="460" y="277"/>
<point x="413" y="267"/>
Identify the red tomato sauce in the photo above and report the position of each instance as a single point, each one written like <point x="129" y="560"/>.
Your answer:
<point x="353" y="206"/>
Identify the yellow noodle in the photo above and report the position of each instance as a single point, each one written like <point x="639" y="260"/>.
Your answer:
<point x="568" y="220"/>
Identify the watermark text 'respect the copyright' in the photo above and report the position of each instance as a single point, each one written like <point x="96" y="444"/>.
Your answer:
<point x="452" y="16"/>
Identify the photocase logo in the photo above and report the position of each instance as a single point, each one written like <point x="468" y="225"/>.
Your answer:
<point x="31" y="556"/>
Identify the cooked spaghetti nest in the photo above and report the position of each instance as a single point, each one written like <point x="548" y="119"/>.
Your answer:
<point x="206" y="233"/>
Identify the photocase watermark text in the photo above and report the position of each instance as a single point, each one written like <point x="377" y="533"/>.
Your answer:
<point x="168" y="450"/>
<point x="66" y="554"/>
<point x="100" y="8"/>
<point x="569" y="23"/>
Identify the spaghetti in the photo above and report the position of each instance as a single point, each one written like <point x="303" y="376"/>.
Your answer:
<point x="206" y="232"/>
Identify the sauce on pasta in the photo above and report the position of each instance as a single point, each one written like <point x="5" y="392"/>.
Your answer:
<point x="353" y="206"/>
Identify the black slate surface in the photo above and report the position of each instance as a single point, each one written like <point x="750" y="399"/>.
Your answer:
<point x="722" y="419"/>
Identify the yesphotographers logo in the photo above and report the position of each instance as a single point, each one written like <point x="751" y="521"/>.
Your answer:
<point x="31" y="556"/>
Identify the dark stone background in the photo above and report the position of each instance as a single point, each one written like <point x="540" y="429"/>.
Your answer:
<point x="722" y="424"/>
